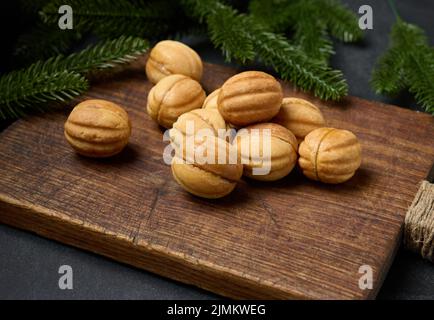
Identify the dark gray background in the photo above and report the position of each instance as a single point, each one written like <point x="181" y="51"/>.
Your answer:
<point x="29" y="264"/>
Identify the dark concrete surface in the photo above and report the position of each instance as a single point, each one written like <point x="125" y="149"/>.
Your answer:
<point x="29" y="264"/>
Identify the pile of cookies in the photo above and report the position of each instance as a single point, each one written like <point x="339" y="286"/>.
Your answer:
<point x="250" y="104"/>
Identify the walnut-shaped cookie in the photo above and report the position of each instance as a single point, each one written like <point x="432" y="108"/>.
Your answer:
<point x="200" y="119"/>
<point x="330" y="155"/>
<point x="267" y="150"/>
<point x="173" y="57"/>
<point x="300" y="117"/>
<point x="207" y="179"/>
<point x="98" y="128"/>
<point x="200" y="123"/>
<point x="250" y="97"/>
<point x="173" y="96"/>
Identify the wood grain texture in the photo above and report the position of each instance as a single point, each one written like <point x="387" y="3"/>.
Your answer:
<point x="293" y="238"/>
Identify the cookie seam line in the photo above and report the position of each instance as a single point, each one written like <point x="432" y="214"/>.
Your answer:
<point x="215" y="130"/>
<point x="161" y="67"/>
<point x="164" y="97"/>
<point x="315" y="166"/>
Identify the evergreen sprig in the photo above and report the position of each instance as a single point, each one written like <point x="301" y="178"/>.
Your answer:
<point x="271" y="48"/>
<point x="312" y="22"/>
<point x="107" y="19"/>
<point x="341" y="22"/>
<point x="409" y="63"/>
<point x="113" y="18"/>
<point x="312" y="38"/>
<point x="62" y="77"/>
<point x="227" y="32"/>
<point x="292" y="64"/>
<point x="103" y="55"/>
<point x="243" y="31"/>
<point x="275" y="14"/>
<point x="237" y="34"/>
<point x="31" y="89"/>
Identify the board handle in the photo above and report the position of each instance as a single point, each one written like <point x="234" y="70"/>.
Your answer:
<point x="419" y="221"/>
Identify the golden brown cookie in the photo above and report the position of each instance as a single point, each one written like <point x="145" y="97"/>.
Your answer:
<point x="173" y="96"/>
<point x="300" y="117"/>
<point x="198" y="122"/>
<point x="330" y="155"/>
<point x="250" y="97"/>
<point x="267" y="145"/>
<point x="173" y="57"/>
<point x="98" y="128"/>
<point x="209" y="179"/>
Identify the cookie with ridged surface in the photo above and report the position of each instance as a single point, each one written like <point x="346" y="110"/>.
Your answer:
<point x="173" y="96"/>
<point x="250" y="97"/>
<point x="173" y="57"/>
<point x="330" y="155"/>
<point x="268" y="147"/>
<point x="98" y="128"/>
<point x="300" y="117"/>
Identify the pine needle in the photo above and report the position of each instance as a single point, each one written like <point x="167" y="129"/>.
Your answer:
<point x="292" y="64"/>
<point x="409" y="63"/>
<point x="32" y="90"/>
<point x="113" y="18"/>
<point x="103" y="55"/>
<point x="341" y="22"/>
<point x="313" y="22"/>
<point x="61" y="78"/>
<point x="272" y="49"/>
<point x="277" y="15"/>
<point x="228" y="33"/>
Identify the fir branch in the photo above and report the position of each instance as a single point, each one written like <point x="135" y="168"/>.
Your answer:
<point x="103" y="55"/>
<point x="282" y="15"/>
<point x="277" y="15"/>
<point x="341" y="22"/>
<point x="30" y="89"/>
<point x="113" y="18"/>
<point x="273" y="49"/>
<point x="292" y="64"/>
<point x="409" y="63"/>
<point x="420" y="73"/>
<point x="60" y="78"/>
<point x="311" y="21"/>
<point x="312" y="38"/>
<point x="311" y="32"/>
<point x="388" y="77"/>
<point x="228" y="33"/>
<point x="105" y="18"/>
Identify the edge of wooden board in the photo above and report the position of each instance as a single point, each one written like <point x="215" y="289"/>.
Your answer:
<point x="156" y="259"/>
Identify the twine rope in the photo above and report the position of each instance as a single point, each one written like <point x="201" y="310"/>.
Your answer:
<point x="419" y="222"/>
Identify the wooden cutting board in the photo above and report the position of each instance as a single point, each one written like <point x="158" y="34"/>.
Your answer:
<point x="293" y="238"/>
